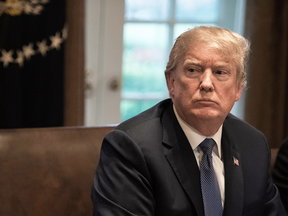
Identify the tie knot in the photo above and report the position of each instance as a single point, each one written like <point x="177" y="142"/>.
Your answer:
<point x="207" y="146"/>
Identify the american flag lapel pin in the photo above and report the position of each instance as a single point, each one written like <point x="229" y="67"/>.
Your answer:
<point x="236" y="161"/>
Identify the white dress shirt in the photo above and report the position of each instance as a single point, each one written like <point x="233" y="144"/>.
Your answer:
<point x="195" y="138"/>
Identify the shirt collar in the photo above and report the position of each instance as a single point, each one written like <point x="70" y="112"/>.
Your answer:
<point x="195" y="137"/>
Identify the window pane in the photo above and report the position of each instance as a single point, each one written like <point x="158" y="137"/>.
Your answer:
<point x="146" y="9"/>
<point x="131" y="108"/>
<point x="203" y="11"/>
<point x="145" y="56"/>
<point x="182" y="27"/>
<point x="144" y="59"/>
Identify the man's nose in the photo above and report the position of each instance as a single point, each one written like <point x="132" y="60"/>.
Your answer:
<point x="206" y="81"/>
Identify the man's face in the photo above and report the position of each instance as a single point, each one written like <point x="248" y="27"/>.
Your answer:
<point x="204" y="86"/>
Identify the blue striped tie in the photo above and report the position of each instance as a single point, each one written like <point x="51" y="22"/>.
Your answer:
<point x="209" y="184"/>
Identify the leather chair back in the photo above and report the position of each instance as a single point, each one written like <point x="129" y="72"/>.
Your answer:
<point x="274" y="152"/>
<point x="48" y="171"/>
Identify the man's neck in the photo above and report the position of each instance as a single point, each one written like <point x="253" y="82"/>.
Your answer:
<point x="205" y="127"/>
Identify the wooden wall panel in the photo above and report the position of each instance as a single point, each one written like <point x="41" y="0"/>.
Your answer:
<point x="74" y="64"/>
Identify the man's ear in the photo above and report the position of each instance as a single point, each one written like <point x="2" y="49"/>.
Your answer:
<point x="238" y="92"/>
<point x="170" y="79"/>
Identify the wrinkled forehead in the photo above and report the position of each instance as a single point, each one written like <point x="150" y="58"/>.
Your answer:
<point x="209" y="50"/>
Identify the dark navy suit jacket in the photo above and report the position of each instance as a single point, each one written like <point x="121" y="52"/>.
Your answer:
<point x="147" y="167"/>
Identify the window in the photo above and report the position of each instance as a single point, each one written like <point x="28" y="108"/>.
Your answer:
<point x="128" y="43"/>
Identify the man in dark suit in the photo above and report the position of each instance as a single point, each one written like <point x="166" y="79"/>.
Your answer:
<point x="187" y="155"/>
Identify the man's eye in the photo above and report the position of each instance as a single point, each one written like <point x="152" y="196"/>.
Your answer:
<point x="219" y="72"/>
<point x="191" y="70"/>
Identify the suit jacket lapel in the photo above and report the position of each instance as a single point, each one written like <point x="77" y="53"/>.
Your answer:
<point x="234" y="186"/>
<point x="181" y="158"/>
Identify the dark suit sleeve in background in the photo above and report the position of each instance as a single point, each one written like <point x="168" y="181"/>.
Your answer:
<point x="280" y="173"/>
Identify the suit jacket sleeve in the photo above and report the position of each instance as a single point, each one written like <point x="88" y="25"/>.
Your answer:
<point x="280" y="173"/>
<point x="122" y="170"/>
<point x="274" y="205"/>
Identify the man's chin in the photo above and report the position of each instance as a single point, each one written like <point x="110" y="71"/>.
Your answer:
<point x="207" y="114"/>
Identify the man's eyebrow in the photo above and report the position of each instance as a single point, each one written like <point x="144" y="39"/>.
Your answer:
<point x="200" y="63"/>
<point x="189" y="61"/>
<point x="222" y="64"/>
